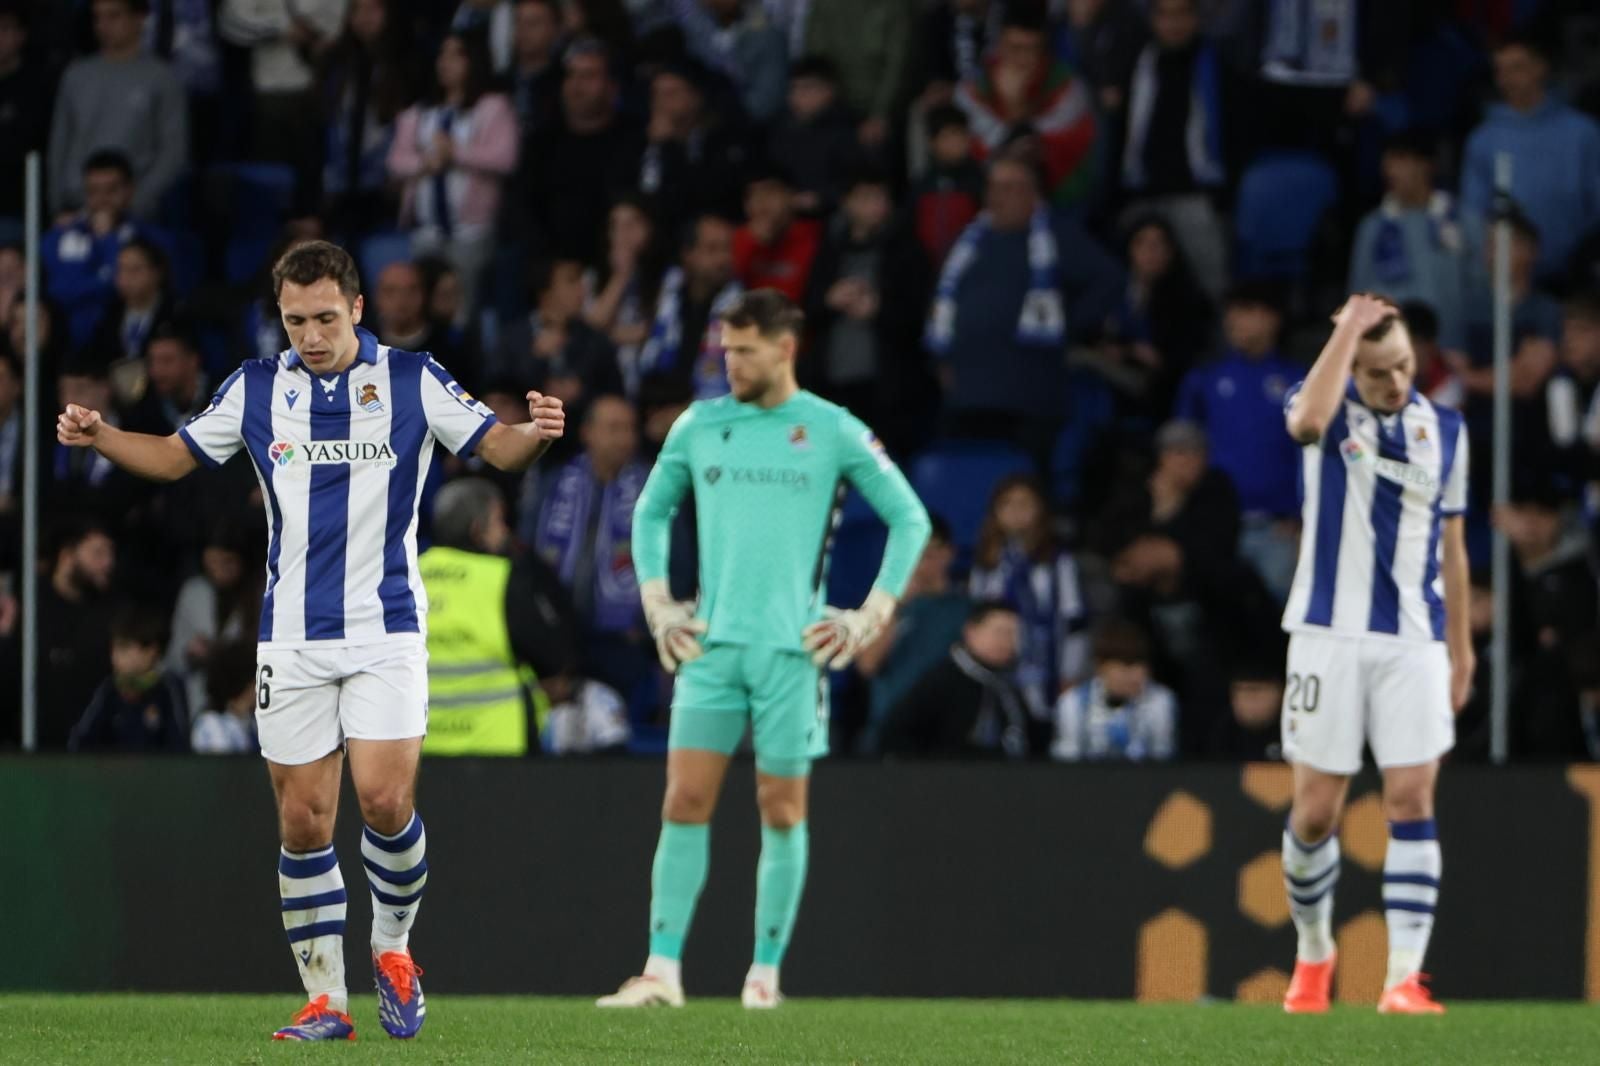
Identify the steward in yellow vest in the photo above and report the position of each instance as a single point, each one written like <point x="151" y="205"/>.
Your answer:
<point x="482" y="688"/>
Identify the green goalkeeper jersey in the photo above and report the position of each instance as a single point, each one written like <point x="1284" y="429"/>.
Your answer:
<point x="768" y="484"/>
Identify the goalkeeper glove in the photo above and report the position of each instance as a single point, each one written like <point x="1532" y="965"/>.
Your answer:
<point x="838" y="638"/>
<point x="673" y="625"/>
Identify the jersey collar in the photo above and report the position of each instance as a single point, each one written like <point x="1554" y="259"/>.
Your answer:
<point x="366" y="351"/>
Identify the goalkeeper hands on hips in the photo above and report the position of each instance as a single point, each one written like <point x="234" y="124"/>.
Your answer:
<point x="838" y="638"/>
<point x="672" y="623"/>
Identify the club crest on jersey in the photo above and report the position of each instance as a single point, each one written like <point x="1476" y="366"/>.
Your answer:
<point x="798" y="438"/>
<point x="1420" y="440"/>
<point x="368" y="400"/>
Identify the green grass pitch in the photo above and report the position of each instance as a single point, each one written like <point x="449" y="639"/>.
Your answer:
<point x="134" y="1030"/>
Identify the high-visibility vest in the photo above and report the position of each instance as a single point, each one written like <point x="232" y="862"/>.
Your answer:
<point x="476" y="692"/>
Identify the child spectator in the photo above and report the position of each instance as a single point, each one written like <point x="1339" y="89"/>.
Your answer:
<point x="1120" y="713"/>
<point x="1018" y="562"/>
<point x="231" y="689"/>
<point x="774" y="249"/>
<point x="139" y="707"/>
<point x="585" y="717"/>
<point x="949" y="195"/>
<point x="1252" y="731"/>
<point x="815" y="138"/>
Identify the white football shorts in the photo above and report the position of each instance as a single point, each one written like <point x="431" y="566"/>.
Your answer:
<point x="1342" y="692"/>
<point x="309" y="700"/>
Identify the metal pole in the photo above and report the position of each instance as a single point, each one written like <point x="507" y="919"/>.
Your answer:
<point x="1500" y="649"/>
<point x="29" y="569"/>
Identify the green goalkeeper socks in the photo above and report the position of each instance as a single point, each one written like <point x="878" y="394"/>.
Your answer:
<point x="679" y="872"/>
<point x="780" y="879"/>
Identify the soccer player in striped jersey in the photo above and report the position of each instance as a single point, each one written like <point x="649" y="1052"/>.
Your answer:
<point x="768" y="466"/>
<point x="340" y="429"/>
<point x="1380" y="651"/>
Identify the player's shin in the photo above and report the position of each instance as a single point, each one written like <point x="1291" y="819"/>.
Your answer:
<point x="780" y="881"/>
<point x="1411" y="869"/>
<point x="397" y="872"/>
<point x="311" y="890"/>
<point x="1310" y="872"/>
<point x="683" y="855"/>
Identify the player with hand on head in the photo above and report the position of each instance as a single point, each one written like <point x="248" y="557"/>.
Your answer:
<point x="1380" y="647"/>
<point x="340" y="429"/>
<point x="769" y="465"/>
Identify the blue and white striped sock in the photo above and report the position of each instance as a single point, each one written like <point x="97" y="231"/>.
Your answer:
<point x="397" y="870"/>
<point x="313" y="901"/>
<point x="1411" y="870"/>
<point x="1309" y="873"/>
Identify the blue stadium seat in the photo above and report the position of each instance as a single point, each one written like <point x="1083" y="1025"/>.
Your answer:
<point x="245" y="254"/>
<point x="956" y="478"/>
<point x="379" y="251"/>
<point x="1282" y="198"/>
<point x="1091" y="408"/>
<point x="260" y="195"/>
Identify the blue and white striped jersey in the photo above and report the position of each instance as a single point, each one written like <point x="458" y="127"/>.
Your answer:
<point x="341" y="459"/>
<point x="1375" y="490"/>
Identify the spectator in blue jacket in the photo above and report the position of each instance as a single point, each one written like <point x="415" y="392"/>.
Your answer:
<point x="1019" y="285"/>
<point x="1238" y="398"/>
<point x="1555" y="155"/>
<point x="80" y="253"/>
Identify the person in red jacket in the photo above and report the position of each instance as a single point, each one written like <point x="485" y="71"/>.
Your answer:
<point x="774" y="250"/>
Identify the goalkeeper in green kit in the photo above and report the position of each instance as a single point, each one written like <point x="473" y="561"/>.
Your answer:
<point x="769" y="465"/>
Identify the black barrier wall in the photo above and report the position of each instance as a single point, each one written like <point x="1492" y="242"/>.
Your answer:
<point x="927" y="880"/>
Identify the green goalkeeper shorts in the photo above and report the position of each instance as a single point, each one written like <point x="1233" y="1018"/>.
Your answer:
<point x="780" y="694"/>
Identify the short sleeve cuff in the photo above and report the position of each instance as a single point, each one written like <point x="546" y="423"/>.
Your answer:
<point x="198" y="452"/>
<point x="1452" y="512"/>
<point x="470" y="445"/>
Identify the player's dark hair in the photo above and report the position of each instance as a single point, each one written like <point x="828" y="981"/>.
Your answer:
<point x="944" y="117"/>
<point x="980" y="611"/>
<point x="1422" y="321"/>
<point x="109" y="159"/>
<point x="480" y="66"/>
<point x="134" y="623"/>
<point x="312" y="261"/>
<point x="230" y="670"/>
<point x="1120" y="640"/>
<point x="1386" y="325"/>
<point x="771" y="312"/>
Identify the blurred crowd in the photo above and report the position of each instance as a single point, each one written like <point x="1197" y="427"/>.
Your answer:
<point x="1066" y="256"/>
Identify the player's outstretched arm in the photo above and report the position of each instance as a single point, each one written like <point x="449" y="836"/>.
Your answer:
<point x="1318" y="400"/>
<point x="515" y="448"/>
<point x="149" y="456"/>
